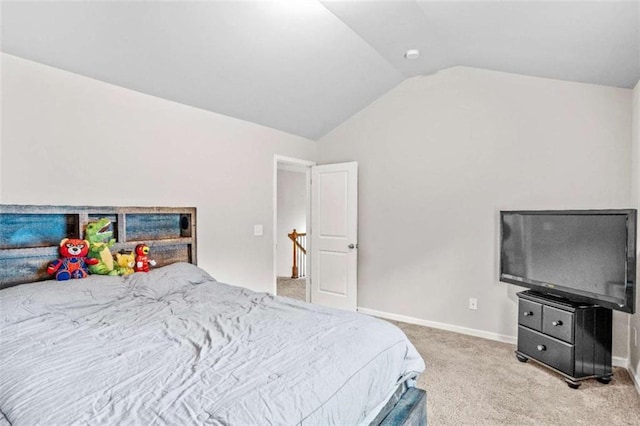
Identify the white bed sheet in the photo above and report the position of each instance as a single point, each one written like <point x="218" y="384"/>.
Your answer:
<point x="176" y="347"/>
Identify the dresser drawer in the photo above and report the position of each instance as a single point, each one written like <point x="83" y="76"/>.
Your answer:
<point x="558" y="323"/>
<point x="530" y="314"/>
<point x="553" y="352"/>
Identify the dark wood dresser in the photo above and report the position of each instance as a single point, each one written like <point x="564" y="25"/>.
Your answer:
<point x="574" y="339"/>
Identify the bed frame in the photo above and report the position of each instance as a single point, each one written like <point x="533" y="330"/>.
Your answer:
<point x="30" y="237"/>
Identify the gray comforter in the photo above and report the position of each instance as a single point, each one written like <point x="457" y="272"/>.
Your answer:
<point x="174" y="346"/>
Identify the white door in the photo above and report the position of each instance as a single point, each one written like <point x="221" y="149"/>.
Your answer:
<point x="334" y="235"/>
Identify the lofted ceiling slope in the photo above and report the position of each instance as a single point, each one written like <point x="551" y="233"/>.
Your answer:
<point x="305" y="66"/>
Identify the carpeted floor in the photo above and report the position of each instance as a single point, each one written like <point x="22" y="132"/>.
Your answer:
<point x="294" y="288"/>
<point x="474" y="381"/>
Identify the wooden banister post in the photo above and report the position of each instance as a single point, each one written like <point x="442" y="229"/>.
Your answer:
<point x="299" y="253"/>
<point x="294" y="270"/>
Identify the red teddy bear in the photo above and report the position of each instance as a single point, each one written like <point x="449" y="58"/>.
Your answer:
<point x="74" y="261"/>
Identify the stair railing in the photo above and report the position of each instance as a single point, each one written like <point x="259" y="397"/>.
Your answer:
<point x="299" y="240"/>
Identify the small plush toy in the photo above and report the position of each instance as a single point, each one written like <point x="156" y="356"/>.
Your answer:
<point x="126" y="260"/>
<point x="73" y="262"/>
<point x="99" y="235"/>
<point x="142" y="260"/>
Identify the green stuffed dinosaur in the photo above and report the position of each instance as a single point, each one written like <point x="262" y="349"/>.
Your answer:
<point x="99" y="235"/>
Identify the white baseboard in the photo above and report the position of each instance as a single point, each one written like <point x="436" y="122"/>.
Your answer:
<point x="618" y="361"/>
<point x="635" y="376"/>
<point x="440" y="325"/>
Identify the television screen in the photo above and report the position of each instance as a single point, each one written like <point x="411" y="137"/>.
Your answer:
<point x="583" y="255"/>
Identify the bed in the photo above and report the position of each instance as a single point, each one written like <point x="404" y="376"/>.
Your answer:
<point x="174" y="345"/>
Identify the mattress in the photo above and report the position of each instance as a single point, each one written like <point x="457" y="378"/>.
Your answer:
<point x="175" y="346"/>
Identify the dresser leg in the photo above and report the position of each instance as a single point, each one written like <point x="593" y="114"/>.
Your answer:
<point x="522" y="358"/>
<point x="605" y="379"/>
<point x="572" y="384"/>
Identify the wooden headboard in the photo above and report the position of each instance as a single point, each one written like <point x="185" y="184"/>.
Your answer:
<point x="30" y="235"/>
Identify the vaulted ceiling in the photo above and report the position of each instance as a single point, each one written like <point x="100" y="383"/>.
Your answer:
<point x="305" y="66"/>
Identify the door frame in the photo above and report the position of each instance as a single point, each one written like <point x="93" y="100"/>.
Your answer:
<point x="304" y="165"/>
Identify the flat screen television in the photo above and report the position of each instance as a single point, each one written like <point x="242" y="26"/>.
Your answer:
<point x="582" y="255"/>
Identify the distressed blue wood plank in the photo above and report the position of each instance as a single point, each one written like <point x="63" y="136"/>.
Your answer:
<point x="27" y="270"/>
<point x="411" y="410"/>
<point x="166" y="255"/>
<point x="35" y="230"/>
<point x="141" y="227"/>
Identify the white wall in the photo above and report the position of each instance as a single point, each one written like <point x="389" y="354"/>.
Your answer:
<point x="291" y="215"/>
<point x="68" y="139"/>
<point x="634" y="322"/>
<point x="440" y="155"/>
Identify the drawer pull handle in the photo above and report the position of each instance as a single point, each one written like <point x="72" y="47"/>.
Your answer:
<point x="556" y="323"/>
<point x="542" y="348"/>
<point x="528" y="314"/>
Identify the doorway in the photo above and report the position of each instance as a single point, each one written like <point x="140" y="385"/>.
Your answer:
<point x="291" y="219"/>
<point x="330" y="193"/>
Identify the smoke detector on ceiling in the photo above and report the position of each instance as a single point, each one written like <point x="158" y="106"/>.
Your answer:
<point x="412" y="54"/>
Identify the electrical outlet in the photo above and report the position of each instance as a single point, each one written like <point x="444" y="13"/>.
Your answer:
<point x="473" y="303"/>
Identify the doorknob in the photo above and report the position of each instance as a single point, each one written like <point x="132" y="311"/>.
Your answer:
<point x="352" y="246"/>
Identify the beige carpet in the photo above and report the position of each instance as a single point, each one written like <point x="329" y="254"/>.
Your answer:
<point x="474" y="381"/>
<point x="294" y="288"/>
